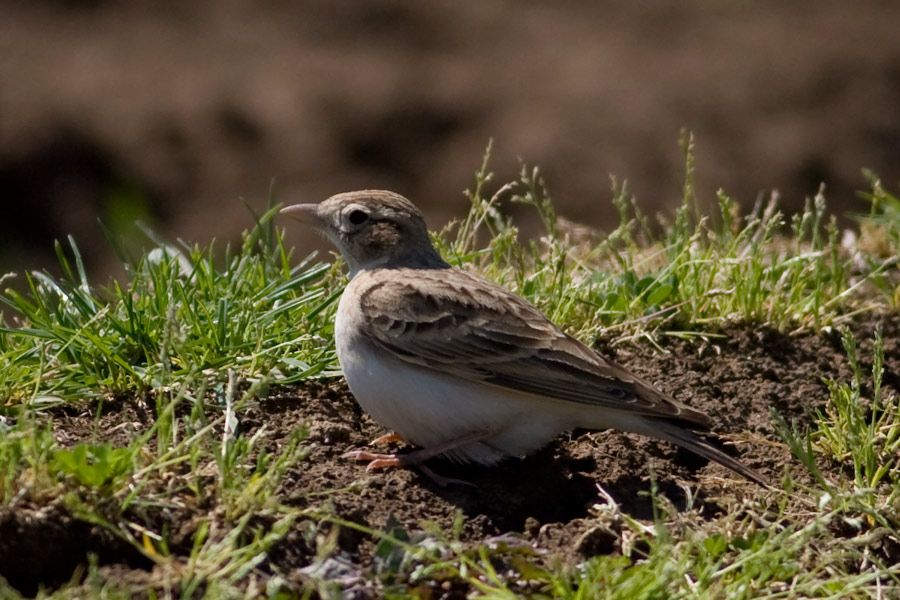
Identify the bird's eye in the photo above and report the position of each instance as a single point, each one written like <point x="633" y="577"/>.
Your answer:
<point x="357" y="217"/>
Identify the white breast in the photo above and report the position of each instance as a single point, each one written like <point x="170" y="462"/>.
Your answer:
<point x="428" y="408"/>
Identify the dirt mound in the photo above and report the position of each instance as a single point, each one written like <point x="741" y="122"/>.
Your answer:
<point x="544" y="500"/>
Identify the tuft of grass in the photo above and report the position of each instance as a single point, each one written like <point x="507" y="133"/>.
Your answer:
<point x="862" y="431"/>
<point x="859" y="430"/>
<point x="136" y="492"/>
<point x="178" y="316"/>
<point x="26" y="452"/>
<point x="878" y="240"/>
<point x="693" y="273"/>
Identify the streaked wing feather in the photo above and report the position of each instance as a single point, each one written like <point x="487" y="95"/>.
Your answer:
<point x="470" y="328"/>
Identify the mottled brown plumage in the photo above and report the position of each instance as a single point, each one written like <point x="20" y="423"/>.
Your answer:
<point x="462" y="367"/>
<point x="470" y="328"/>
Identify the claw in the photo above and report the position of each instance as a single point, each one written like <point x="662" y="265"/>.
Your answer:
<point x="388" y="438"/>
<point x="387" y="461"/>
<point x="365" y="455"/>
<point x="376" y="461"/>
<point x="383" y="463"/>
<point x="416" y="457"/>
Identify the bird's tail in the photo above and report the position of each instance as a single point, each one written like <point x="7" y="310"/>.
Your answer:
<point x="696" y="443"/>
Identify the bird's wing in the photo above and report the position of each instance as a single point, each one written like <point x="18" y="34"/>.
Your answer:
<point x="461" y="325"/>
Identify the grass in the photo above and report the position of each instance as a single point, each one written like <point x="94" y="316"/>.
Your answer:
<point x="178" y="317"/>
<point x="196" y="333"/>
<point x="696" y="271"/>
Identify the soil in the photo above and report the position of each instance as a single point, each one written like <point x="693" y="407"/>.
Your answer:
<point x="171" y="112"/>
<point x="543" y="503"/>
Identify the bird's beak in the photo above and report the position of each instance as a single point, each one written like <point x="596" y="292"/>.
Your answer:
<point x="305" y="213"/>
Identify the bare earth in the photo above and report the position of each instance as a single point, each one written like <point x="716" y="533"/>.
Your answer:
<point x="543" y="502"/>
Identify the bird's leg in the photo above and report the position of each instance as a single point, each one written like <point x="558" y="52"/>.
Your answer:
<point x="388" y="438"/>
<point x="416" y="457"/>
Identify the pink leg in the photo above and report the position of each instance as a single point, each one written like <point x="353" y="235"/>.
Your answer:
<point x="416" y="457"/>
<point x="388" y="438"/>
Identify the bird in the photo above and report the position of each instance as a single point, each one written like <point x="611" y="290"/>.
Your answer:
<point x="463" y="368"/>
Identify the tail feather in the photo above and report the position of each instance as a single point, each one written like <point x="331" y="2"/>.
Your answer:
<point x="698" y="445"/>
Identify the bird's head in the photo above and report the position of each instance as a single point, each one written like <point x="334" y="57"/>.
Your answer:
<point x="372" y="229"/>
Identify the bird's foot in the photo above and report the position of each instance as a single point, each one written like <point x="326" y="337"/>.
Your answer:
<point x="388" y="438"/>
<point x="416" y="457"/>
<point x="376" y="460"/>
<point x="387" y="461"/>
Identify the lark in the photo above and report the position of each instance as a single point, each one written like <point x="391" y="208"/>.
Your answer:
<point x="463" y="368"/>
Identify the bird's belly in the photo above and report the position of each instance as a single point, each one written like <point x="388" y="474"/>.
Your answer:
<point x="428" y="408"/>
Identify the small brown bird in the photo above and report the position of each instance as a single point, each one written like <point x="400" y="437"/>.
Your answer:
<point x="462" y="367"/>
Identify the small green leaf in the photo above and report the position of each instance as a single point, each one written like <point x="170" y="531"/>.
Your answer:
<point x="659" y="294"/>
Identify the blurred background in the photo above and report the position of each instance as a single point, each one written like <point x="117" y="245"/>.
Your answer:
<point x="180" y="114"/>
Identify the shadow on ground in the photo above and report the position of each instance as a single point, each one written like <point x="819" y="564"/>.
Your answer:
<point x="544" y="500"/>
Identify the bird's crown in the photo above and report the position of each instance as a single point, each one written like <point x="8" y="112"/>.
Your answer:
<point x="373" y="229"/>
